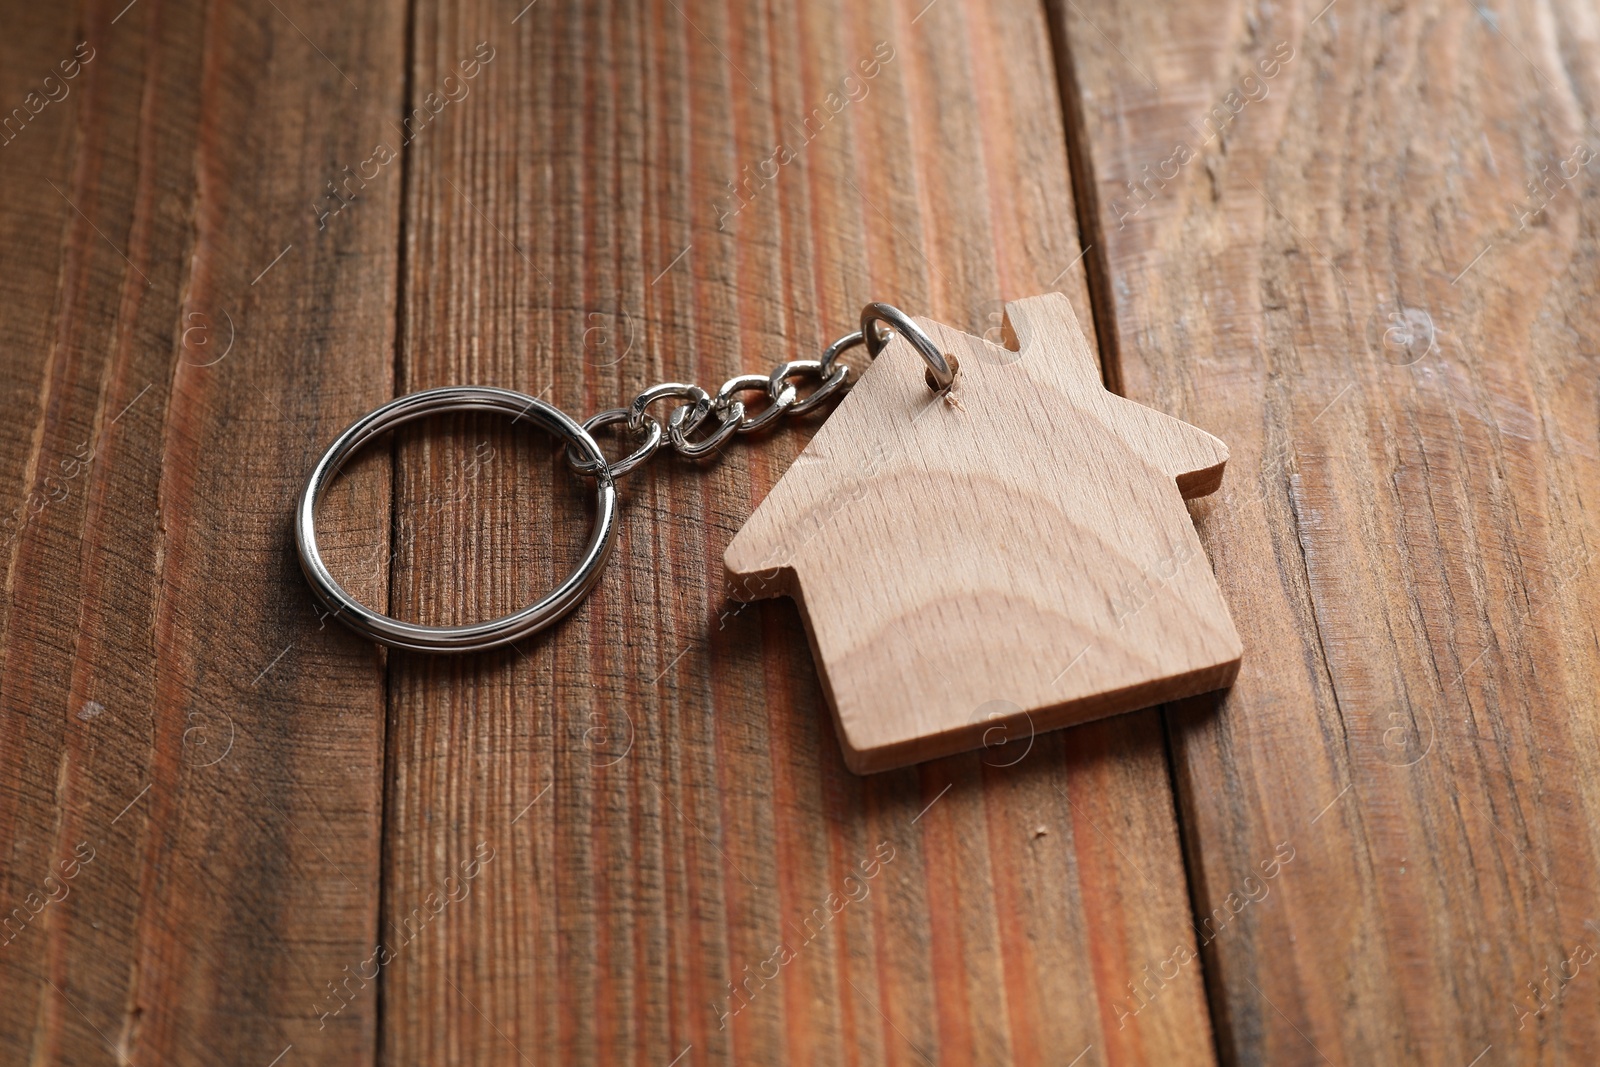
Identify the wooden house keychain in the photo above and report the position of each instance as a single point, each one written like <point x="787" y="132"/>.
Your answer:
<point x="980" y="538"/>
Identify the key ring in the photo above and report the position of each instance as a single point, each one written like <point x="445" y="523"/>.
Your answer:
<point x="586" y="460"/>
<point x="476" y="636"/>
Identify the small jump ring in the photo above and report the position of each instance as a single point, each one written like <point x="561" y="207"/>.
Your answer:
<point x="622" y="466"/>
<point x="939" y="368"/>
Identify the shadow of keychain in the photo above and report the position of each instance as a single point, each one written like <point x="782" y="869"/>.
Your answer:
<point x="994" y="545"/>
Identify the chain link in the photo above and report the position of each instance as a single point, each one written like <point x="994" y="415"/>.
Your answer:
<point x="728" y="413"/>
<point x="781" y="388"/>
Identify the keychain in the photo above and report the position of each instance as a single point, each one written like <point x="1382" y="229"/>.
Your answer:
<point x="992" y="547"/>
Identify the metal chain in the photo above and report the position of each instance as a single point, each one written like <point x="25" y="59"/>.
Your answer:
<point x="723" y="408"/>
<point x="783" y="397"/>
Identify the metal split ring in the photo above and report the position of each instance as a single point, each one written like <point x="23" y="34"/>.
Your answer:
<point x="475" y="636"/>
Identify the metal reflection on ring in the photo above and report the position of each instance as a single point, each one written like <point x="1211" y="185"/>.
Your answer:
<point x="478" y="636"/>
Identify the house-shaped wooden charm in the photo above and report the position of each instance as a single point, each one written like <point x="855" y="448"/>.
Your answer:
<point x="1012" y="558"/>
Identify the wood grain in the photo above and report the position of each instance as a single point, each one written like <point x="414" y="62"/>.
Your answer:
<point x="190" y="763"/>
<point x="1329" y="255"/>
<point x="1011" y="557"/>
<point x="1359" y="247"/>
<point x="682" y="864"/>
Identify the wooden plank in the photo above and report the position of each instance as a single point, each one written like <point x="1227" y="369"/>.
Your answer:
<point x="664" y="803"/>
<point x="190" y="763"/>
<point x="1331" y="258"/>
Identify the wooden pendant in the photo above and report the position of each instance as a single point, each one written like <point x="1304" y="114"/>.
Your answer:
<point x="1012" y="558"/>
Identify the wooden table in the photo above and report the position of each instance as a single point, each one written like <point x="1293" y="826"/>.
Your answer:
<point x="1357" y="243"/>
